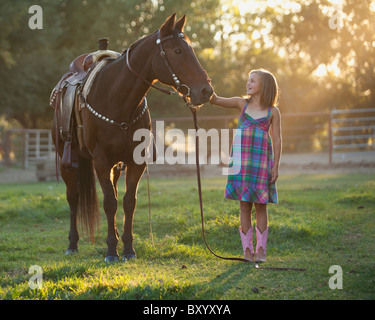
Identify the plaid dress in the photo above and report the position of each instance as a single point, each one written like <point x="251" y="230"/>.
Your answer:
<point x="251" y="162"/>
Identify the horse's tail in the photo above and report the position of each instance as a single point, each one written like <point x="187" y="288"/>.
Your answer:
<point x="88" y="205"/>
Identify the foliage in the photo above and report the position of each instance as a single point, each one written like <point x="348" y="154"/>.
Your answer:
<point x="293" y="40"/>
<point x="310" y="44"/>
<point x="321" y="220"/>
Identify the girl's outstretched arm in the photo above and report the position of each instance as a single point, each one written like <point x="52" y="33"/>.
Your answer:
<point x="234" y="102"/>
<point x="276" y="141"/>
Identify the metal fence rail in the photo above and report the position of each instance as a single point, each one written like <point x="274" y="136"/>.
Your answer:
<point x="337" y="132"/>
<point x="353" y="130"/>
<point x="27" y="146"/>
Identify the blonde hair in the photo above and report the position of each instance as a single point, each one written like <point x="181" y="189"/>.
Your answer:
<point x="269" y="90"/>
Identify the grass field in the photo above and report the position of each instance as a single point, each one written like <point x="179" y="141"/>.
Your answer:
<point x="321" y="220"/>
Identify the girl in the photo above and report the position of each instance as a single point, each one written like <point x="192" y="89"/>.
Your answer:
<point x="255" y="182"/>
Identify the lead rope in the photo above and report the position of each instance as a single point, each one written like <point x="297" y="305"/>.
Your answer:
<point x="149" y="206"/>
<point x="194" y="111"/>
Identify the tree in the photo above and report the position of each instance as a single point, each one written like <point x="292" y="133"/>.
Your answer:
<point x="295" y="43"/>
<point x="347" y="54"/>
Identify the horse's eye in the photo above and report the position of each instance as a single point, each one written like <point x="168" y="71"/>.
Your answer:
<point x="178" y="51"/>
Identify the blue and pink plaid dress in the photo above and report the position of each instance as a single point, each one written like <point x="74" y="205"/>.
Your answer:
<point x="252" y="162"/>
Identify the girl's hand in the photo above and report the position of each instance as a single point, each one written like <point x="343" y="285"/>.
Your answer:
<point x="274" y="174"/>
<point x="213" y="98"/>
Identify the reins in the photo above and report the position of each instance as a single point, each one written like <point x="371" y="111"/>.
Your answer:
<point x="143" y="78"/>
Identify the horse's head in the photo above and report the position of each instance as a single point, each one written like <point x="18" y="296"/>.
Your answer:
<point x="176" y="65"/>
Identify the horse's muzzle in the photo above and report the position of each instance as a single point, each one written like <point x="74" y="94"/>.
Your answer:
<point x="201" y="95"/>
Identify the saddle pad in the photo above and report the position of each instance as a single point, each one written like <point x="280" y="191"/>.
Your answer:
<point x="90" y="80"/>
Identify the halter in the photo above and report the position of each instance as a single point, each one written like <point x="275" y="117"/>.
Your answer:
<point x="164" y="57"/>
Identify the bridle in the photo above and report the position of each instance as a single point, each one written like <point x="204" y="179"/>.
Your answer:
<point x="180" y="87"/>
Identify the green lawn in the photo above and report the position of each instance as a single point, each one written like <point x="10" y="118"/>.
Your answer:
<point x="321" y="220"/>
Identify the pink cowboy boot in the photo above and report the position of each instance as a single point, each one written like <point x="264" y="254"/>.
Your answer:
<point x="261" y="243"/>
<point x="247" y="243"/>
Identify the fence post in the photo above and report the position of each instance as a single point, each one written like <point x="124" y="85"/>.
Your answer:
<point x="7" y="148"/>
<point x="50" y="143"/>
<point x="25" y="138"/>
<point x="37" y="144"/>
<point x="330" y="137"/>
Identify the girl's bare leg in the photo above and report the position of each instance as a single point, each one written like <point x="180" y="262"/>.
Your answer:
<point x="262" y="223"/>
<point x="245" y="219"/>
<point x="262" y="216"/>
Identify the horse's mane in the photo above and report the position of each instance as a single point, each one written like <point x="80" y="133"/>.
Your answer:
<point x="138" y="42"/>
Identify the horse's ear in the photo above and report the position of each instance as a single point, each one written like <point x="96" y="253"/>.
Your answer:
<point x="167" y="28"/>
<point x="180" y="24"/>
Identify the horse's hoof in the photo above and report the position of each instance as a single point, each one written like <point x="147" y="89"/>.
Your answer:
<point x="70" y="252"/>
<point x="111" y="259"/>
<point x="128" y="256"/>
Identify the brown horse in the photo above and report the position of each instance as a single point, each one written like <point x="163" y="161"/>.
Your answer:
<point x="115" y="109"/>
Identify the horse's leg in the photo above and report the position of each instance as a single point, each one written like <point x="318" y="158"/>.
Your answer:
<point x="70" y="179"/>
<point x="133" y="175"/>
<point x="103" y="172"/>
<point x="116" y="173"/>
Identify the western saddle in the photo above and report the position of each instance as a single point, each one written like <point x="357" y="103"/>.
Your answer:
<point x="66" y="97"/>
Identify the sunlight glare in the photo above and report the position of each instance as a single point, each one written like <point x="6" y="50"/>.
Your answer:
<point x="337" y="2"/>
<point x="256" y="35"/>
<point x="324" y="70"/>
<point x="320" y="71"/>
<point x="246" y="7"/>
